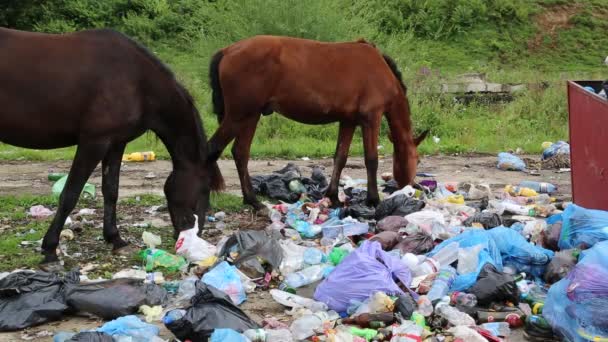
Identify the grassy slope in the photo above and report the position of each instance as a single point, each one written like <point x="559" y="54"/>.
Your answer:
<point x="546" y="48"/>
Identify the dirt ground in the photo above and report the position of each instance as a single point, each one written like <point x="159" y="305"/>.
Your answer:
<point x="136" y="178"/>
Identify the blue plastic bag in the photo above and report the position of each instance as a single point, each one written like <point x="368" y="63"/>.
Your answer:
<point x="227" y="335"/>
<point x="367" y="270"/>
<point x="488" y="254"/>
<point x="582" y="228"/>
<point x="575" y="306"/>
<point x="560" y="147"/>
<point x="226" y="279"/>
<point x="510" y="162"/>
<point x="518" y="253"/>
<point x="130" y="326"/>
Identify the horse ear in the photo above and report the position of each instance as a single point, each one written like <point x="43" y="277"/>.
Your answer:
<point x="421" y="137"/>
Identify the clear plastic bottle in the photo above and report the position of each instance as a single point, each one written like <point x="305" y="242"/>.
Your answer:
<point x="313" y="256"/>
<point x="447" y="255"/>
<point x="498" y="328"/>
<point x="292" y="300"/>
<point x="540" y="187"/>
<point x="306" y="276"/>
<point x="425" y="307"/>
<point x="468" y="300"/>
<point x="442" y="283"/>
<point x="428" y="266"/>
<point x="186" y="289"/>
<point x="174" y="315"/>
<point x="453" y="315"/>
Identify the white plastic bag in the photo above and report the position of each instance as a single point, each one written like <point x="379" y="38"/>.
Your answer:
<point x="192" y="247"/>
<point x="293" y="257"/>
<point x="468" y="258"/>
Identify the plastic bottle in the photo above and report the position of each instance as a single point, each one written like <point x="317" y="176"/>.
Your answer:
<point x="425" y="307"/>
<point x="174" y="315"/>
<point x="255" y="335"/>
<point x="498" y="328"/>
<point x="468" y="300"/>
<point x="306" y="276"/>
<point x="428" y="266"/>
<point x="139" y="156"/>
<point x="187" y="288"/>
<point x="540" y="187"/>
<point x="292" y="300"/>
<point x="442" y="283"/>
<point x="313" y="256"/>
<point x="447" y="255"/>
<point x="453" y="315"/>
<point x="374" y="321"/>
<point x="501" y="207"/>
<point x="355" y="228"/>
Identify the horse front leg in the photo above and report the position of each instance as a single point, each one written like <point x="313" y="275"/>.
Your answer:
<point x="345" y="137"/>
<point x="109" y="187"/>
<point x="86" y="159"/>
<point x="371" y="129"/>
<point x="241" y="152"/>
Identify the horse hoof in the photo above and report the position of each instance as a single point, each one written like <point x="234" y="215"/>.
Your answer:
<point x="125" y="250"/>
<point x="51" y="267"/>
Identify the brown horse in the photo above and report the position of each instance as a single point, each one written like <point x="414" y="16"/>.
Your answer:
<point x="99" y="90"/>
<point x="314" y="83"/>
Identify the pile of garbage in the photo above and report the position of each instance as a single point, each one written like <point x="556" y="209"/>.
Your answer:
<point x="439" y="261"/>
<point x="555" y="156"/>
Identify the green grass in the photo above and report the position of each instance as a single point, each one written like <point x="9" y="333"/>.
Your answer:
<point x="431" y="41"/>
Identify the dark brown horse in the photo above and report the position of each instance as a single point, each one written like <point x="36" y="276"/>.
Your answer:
<point x="314" y="83"/>
<point x="99" y="90"/>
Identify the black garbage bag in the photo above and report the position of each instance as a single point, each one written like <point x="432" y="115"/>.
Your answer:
<point x="274" y="186"/>
<point x="114" y="298"/>
<point x="400" y="205"/>
<point x="211" y="309"/>
<point x="405" y="305"/>
<point x="493" y="286"/>
<point x="91" y="336"/>
<point x="30" y="298"/>
<point x="252" y="246"/>
<point x="318" y="178"/>
<point x="390" y="187"/>
<point x="560" y="265"/>
<point x="392" y="223"/>
<point x="417" y="244"/>
<point x="359" y="210"/>
<point x="487" y="220"/>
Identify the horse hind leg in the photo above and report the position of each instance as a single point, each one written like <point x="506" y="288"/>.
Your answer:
<point x="109" y="187"/>
<point x="240" y="152"/>
<point x="86" y="159"/>
<point x="345" y="137"/>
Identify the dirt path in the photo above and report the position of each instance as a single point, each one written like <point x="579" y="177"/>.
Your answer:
<point x="31" y="177"/>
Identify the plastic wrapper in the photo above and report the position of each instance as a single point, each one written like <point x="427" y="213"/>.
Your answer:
<point x="366" y="270"/>
<point x="211" y="309"/>
<point x="226" y="279"/>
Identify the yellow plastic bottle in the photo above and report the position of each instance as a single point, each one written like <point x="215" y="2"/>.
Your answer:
<point x="139" y="156"/>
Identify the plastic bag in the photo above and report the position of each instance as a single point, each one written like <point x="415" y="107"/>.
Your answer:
<point x="366" y="270"/>
<point x="226" y="279"/>
<point x="360" y="210"/>
<point x="517" y="253"/>
<point x="488" y="254"/>
<point x="582" y="228"/>
<point x="211" y="309"/>
<point x="293" y="257"/>
<point x="388" y="239"/>
<point x="253" y="248"/>
<point x="392" y="223"/>
<point x="130" y="326"/>
<point x="575" y="306"/>
<point x="192" y="247"/>
<point x="89" y="336"/>
<point x="494" y="286"/>
<point x="468" y="259"/>
<point x="510" y="162"/>
<point x="405" y="305"/>
<point x="416" y="244"/>
<point x="425" y="219"/>
<point x="550" y="236"/>
<point x="88" y="190"/>
<point x="560" y="266"/>
<point x="113" y="298"/>
<point x="487" y="220"/>
<point x="158" y="258"/>
<point x="31" y="298"/>
<point x="227" y="335"/>
<point x="399" y="205"/>
<point x="560" y="147"/>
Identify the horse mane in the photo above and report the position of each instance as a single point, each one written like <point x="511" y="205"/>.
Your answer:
<point x="393" y="66"/>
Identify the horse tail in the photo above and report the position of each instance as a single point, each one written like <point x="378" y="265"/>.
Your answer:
<point x="393" y="66"/>
<point x="216" y="86"/>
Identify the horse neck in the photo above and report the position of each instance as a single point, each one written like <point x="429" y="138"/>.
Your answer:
<point x="400" y="126"/>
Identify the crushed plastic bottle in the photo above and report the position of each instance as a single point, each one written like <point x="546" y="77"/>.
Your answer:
<point x="425" y="307"/>
<point x="306" y="276"/>
<point x="442" y="283"/>
<point x="313" y="256"/>
<point x="292" y="300"/>
<point x="453" y="315"/>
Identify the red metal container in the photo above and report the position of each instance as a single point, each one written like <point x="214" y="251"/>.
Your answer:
<point x="588" y="117"/>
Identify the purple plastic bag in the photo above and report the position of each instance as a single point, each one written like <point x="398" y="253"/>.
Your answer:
<point x="367" y="270"/>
